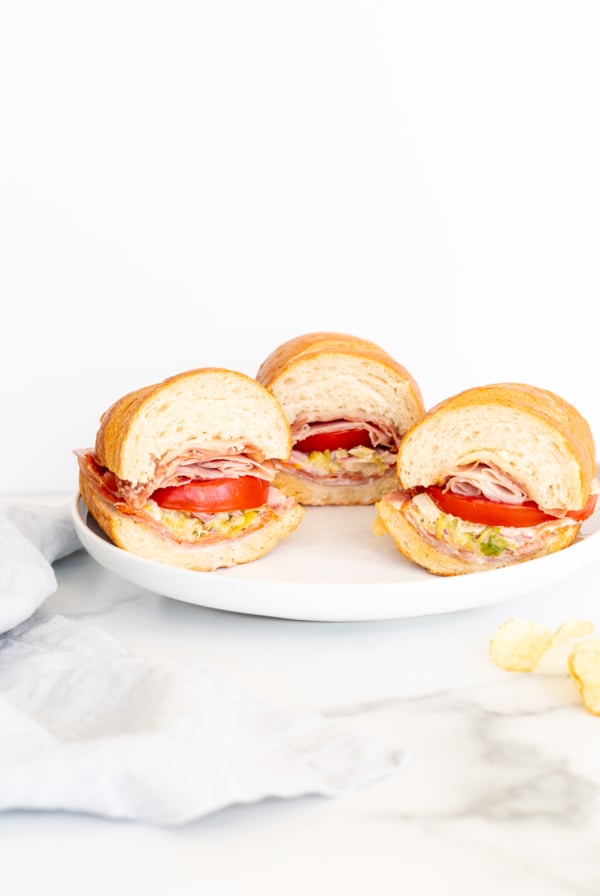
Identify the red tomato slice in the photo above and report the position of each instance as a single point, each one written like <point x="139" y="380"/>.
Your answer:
<point x="341" y="438"/>
<point x="213" y="495"/>
<point x="581" y="515"/>
<point x="495" y="513"/>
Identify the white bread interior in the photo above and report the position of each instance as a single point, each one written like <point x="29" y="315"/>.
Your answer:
<point x="196" y="408"/>
<point x="135" y="536"/>
<point x="533" y="435"/>
<point x="327" y="376"/>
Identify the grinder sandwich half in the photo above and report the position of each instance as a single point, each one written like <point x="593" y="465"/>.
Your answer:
<point x="493" y="476"/>
<point x="182" y="471"/>
<point x="348" y="403"/>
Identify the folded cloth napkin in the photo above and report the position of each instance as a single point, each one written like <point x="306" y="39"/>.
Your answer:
<point x="86" y="727"/>
<point x="31" y="539"/>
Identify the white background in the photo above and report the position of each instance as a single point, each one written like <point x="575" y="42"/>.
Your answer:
<point x="191" y="183"/>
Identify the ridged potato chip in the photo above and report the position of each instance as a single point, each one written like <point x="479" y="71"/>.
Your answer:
<point x="584" y="666"/>
<point x="575" y="628"/>
<point x="519" y="644"/>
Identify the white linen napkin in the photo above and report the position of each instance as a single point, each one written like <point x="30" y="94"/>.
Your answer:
<point x="31" y="539"/>
<point x="84" y="726"/>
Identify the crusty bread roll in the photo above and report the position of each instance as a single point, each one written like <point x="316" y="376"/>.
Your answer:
<point x="198" y="407"/>
<point x="321" y="378"/>
<point x="200" y="427"/>
<point x="535" y="436"/>
<point x="517" y="446"/>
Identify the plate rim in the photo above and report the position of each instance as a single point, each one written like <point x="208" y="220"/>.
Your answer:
<point x="332" y="601"/>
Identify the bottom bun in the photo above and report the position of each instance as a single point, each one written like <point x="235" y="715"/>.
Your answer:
<point x="134" y="535"/>
<point x="313" y="492"/>
<point x="433" y="554"/>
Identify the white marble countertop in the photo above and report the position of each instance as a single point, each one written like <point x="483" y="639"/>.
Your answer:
<point x="498" y="792"/>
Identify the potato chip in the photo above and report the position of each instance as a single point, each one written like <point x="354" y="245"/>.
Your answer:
<point x="584" y="666"/>
<point x="575" y="628"/>
<point x="519" y="644"/>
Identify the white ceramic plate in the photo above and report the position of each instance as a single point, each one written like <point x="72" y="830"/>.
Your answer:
<point x="333" y="568"/>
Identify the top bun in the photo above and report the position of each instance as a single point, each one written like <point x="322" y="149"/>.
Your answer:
<point x="535" y="436"/>
<point x="204" y="407"/>
<point x="327" y="376"/>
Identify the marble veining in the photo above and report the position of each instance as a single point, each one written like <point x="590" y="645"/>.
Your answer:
<point x="498" y="790"/>
<point x="512" y="768"/>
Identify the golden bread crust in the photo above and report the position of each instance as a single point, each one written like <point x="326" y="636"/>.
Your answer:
<point x="115" y="424"/>
<point x="535" y="436"/>
<point x="310" y="345"/>
<point x="554" y="410"/>
<point x="197" y="406"/>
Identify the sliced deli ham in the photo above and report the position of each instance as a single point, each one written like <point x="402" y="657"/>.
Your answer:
<point x="196" y="463"/>
<point x="494" y="484"/>
<point x="487" y="480"/>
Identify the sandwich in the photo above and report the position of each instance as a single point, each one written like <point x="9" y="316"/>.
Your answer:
<point x="348" y="403"/>
<point x="490" y="477"/>
<point x="182" y="471"/>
